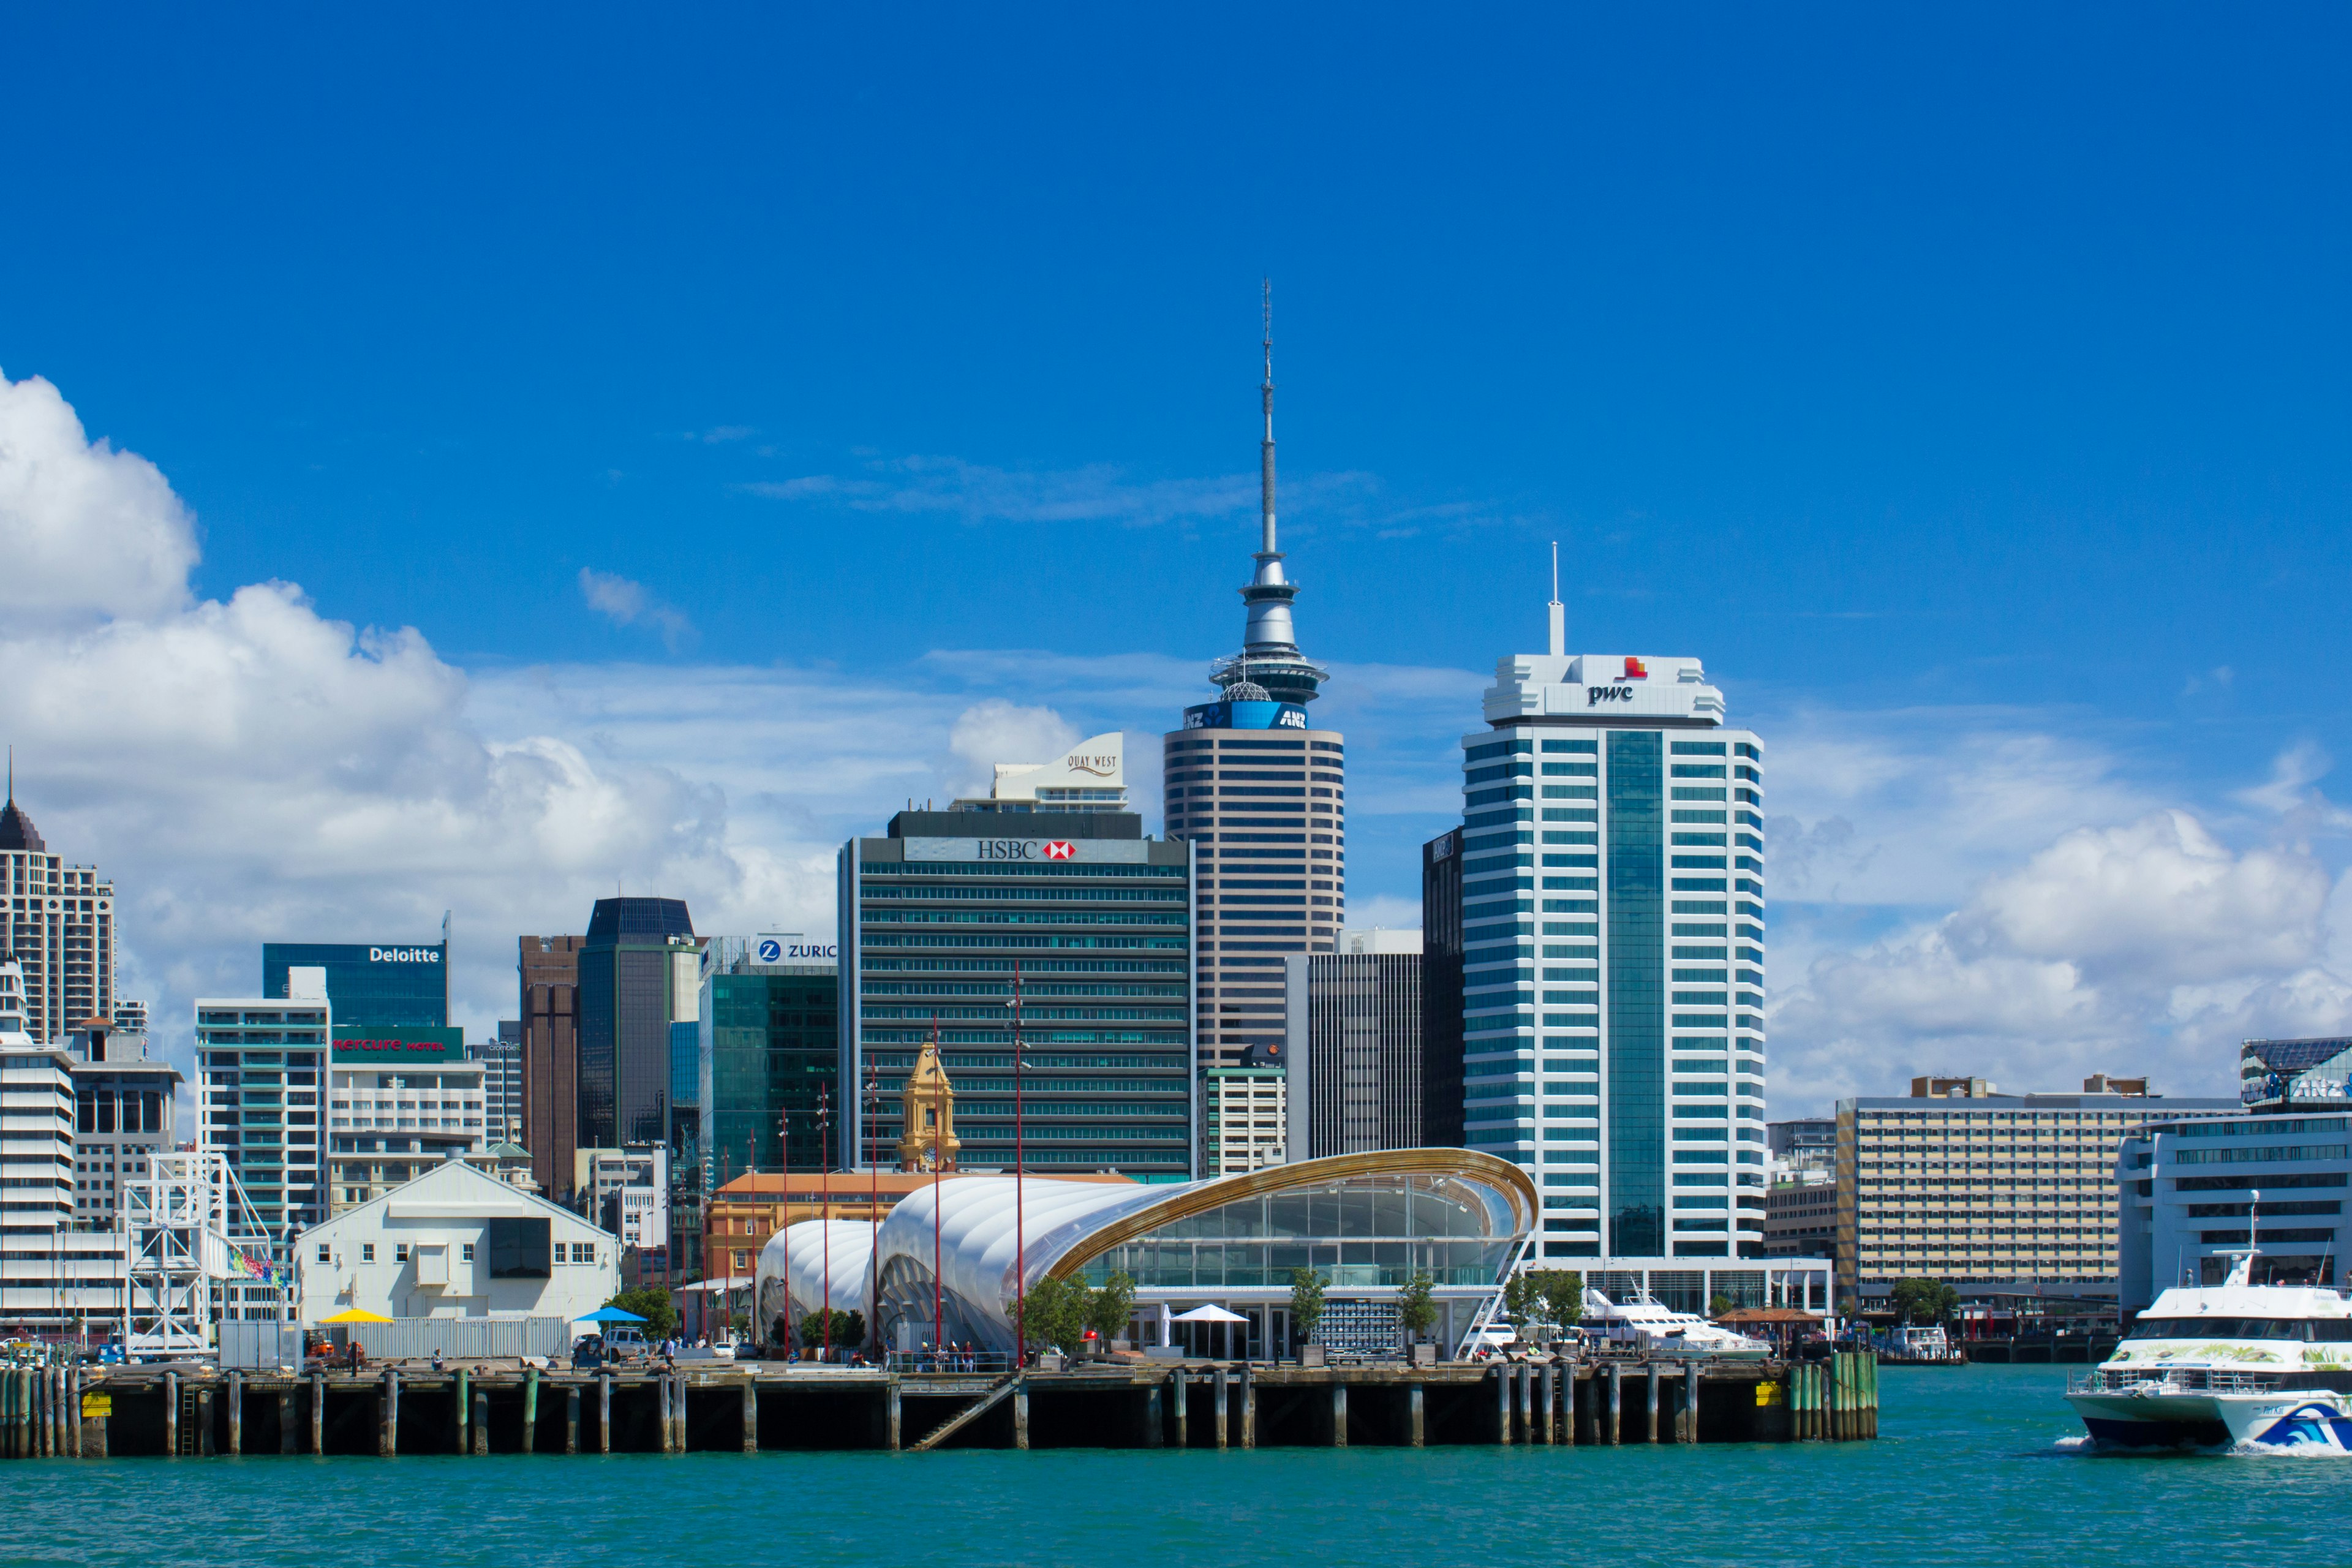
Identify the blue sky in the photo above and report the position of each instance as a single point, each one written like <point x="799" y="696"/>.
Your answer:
<point x="1967" y="391"/>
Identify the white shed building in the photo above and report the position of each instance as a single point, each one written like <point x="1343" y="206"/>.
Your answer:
<point x="456" y="1242"/>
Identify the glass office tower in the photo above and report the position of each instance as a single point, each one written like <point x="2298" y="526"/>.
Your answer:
<point x="769" y="1040"/>
<point x="1612" y="930"/>
<point x="935" y="916"/>
<point x="639" y="972"/>
<point x="389" y="985"/>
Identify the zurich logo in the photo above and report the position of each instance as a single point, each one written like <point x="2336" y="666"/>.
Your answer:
<point x="771" y="950"/>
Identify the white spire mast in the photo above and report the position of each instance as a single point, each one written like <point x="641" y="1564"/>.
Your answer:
<point x="1266" y="449"/>
<point x="1559" y="615"/>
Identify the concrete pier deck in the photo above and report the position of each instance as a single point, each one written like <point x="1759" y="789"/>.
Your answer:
<point x="194" y="1410"/>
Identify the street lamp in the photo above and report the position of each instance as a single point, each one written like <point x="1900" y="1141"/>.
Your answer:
<point x="825" y="1204"/>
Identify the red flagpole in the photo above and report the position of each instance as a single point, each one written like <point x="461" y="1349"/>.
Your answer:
<point x="1019" y="1160"/>
<point x="874" y="1213"/>
<point x="939" y="1296"/>
<point x="784" y="1153"/>
<point x="824" y="1228"/>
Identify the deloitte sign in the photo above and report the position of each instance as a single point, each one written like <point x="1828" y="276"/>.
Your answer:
<point x="404" y="955"/>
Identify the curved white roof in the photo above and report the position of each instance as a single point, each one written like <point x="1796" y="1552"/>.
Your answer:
<point x="982" y="1222"/>
<point x="845" y="1246"/>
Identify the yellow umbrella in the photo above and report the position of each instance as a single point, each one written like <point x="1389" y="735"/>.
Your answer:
<point x="356" y="1315"/>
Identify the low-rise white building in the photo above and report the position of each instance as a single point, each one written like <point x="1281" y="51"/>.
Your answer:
<point x="456" y="1242"/>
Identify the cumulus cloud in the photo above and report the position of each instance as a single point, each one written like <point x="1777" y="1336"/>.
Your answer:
<point x="2147" y="947"/>
<point x="86" y="531"/>
<point x="628" y="604"/>
<point x="997" y="731"/>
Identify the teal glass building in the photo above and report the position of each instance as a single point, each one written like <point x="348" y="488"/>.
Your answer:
<point x="769" y="1041"/>
<point x="935" y="917"/>
<point x="1612" y="875"/>
<point x="373" y="985"/>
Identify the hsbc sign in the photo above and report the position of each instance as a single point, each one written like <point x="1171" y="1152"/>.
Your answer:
<point x="1129" y="851"/>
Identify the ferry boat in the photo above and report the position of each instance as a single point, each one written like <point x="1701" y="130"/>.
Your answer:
<point x="1643" y="1324"/>
<point x="2231" y="1365"/>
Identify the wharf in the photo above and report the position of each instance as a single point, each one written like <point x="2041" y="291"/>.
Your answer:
<point x="194" y="1410"/>
<point x="2081" y="1350"/>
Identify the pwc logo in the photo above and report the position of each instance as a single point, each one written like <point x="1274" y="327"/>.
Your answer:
<point x="1634" y="669"/>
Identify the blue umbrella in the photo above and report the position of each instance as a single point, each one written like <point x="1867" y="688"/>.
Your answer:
<point x="608" y="1315"/>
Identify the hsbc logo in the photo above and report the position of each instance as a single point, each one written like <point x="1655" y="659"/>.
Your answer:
<point x="1025" y="849"/>
<point x="1596" y="695"/>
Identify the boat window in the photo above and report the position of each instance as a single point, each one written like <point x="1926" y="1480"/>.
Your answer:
<point x="2162" y="1329"/>
<point x="2332" y="1331"/>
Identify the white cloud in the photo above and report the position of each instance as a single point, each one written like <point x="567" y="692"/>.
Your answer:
<point x="1099" y="492"/>
<point x="628" y="604"/>
<point x="86" y="531"/>
<point x="2148" y="947"/>
<point x="997" y="731"/>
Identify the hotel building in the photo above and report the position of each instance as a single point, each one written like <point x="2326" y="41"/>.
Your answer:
<point x="1262" y="793"/>
<point x="1986" y="1191"/>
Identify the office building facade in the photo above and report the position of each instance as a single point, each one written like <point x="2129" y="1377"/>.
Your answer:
<point x="1985" y="1191"/>
<point x="1441" y="990"/>
<point x="57" y="921"/>
<point x="371" y="985"/>
<point x="1355" y="1046"/>
<point x="399" y="1100"/>
<point x="60" y="1272"/>
<point x="1246" y="1122"/>
<point x="125" y="1113"/>
<point x="935" y="920"/>
<point x="768" y="1058"/>
<point x="1612" y="892"/>
<point x="2194" y="1189"/>
<point x="502" y="1059"/>
<point x="260" y="1061"/>
<point x="1262" y="793"/>
<point x="639" y="972"/>
<point x="548" y="969"/>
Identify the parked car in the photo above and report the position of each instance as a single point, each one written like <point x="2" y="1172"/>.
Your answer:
<point x="1493" y="1339"/>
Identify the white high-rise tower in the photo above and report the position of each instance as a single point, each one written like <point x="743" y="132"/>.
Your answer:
<point x="1612" y="936"/>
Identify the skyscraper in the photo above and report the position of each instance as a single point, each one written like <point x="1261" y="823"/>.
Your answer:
<point x="57" y="921"/>
<point x="935" y="918"/>
<point x="390" y="986"/>
<point x="548" y="969"/>
<point x="640" y="971"/>
<point x="1612" y="907"/>
<point x="1263" y="798"/>
<point x="1355" y="1056"/>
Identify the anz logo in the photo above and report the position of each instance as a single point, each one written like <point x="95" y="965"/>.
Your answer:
<point x="1290" y="719"/>
<point x="1596" y="695"/>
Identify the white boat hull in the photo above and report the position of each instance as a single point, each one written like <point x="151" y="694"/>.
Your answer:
<point x="2310" y="1419"/>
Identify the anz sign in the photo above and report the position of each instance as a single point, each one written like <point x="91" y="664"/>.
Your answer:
<point x="1246" y="716"/>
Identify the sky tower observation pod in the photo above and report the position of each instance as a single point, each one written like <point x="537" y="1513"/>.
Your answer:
<point x="1369" y="1222"/>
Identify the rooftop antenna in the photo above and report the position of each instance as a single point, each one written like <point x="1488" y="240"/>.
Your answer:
<point x="1559" y="615"/>
<point x="1266" y="449"/>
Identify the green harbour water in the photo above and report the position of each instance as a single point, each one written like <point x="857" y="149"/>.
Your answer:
<point x="1973" y="1466"/>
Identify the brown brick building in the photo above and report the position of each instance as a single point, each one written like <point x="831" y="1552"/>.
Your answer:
<point x="549" y="969"/>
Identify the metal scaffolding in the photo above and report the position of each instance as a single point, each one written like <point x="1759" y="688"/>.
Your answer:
<point x="189" y="1225"/>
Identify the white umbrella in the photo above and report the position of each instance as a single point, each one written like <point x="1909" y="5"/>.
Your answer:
<point x="1208" y="1315"/>
<point x="1212" y="1314"/>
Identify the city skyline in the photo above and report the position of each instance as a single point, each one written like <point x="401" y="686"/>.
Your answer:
<point x="1990" y="466"/>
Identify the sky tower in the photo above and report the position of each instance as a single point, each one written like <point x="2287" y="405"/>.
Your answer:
<point x="1262" y="798"/>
